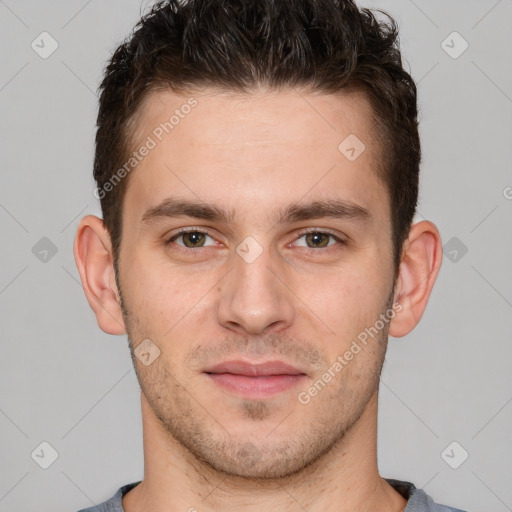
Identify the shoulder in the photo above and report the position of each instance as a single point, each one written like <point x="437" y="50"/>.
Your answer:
<point x="417" y="499"/>
<point x="421" y="502"/>
<point x="114" y="504"/>
<point x="444" y="508"/>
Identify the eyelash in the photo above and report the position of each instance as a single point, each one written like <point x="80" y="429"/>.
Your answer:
<point x="299" y="235"/>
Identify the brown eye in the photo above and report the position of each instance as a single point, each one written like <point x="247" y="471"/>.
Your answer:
<point x="193" y="239"/>
<point x="317" y="240"/>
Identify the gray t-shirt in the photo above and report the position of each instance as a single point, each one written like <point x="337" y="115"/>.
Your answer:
<point x="418" y="501"/>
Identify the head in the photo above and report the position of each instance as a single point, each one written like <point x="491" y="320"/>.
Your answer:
<point x="283" y="137"/>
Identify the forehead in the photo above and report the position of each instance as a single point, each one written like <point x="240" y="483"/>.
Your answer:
<point x="214" y="146"/>
<point x="220" y="118"/>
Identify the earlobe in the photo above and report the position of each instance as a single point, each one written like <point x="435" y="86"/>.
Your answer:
<point x="93" y="256"/>
<point x="417" y="274"/>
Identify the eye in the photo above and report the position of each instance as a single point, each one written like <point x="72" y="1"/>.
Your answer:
<point x="317" y="240"/>
<point x="192" y="239"/>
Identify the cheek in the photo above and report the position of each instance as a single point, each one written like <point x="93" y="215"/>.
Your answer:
<point x="164" y="297"/>
<point x="348" y="299"/>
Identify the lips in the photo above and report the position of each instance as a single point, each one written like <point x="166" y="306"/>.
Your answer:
<point x="255" y="381"/>
<point x="255" y="370"/>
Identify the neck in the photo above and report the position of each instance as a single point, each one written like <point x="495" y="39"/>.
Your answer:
<point x="344" y="479"/>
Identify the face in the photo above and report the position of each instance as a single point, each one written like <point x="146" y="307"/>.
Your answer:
<point x="254" y="254"/>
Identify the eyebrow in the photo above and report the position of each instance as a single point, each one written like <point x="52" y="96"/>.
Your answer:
<point x="295" y="212"/>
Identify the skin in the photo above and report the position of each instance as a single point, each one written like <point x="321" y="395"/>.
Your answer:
<point x="253" y="155"/>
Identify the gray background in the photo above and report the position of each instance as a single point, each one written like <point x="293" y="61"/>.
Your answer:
<point x="67" y="383"/>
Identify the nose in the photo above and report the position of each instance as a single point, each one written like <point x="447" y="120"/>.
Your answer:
<point x="254" y="297"/>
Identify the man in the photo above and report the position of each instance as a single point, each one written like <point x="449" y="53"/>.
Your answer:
<point x="257" y="164"/>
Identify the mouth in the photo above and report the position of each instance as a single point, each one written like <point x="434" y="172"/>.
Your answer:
<point x="255" y="380"/>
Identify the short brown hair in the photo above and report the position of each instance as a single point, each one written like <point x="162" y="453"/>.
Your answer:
<point x="236" y="45"/>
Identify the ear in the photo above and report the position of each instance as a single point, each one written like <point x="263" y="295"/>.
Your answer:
<point x="419" y="267"/>
<point x="93" y="256"/>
